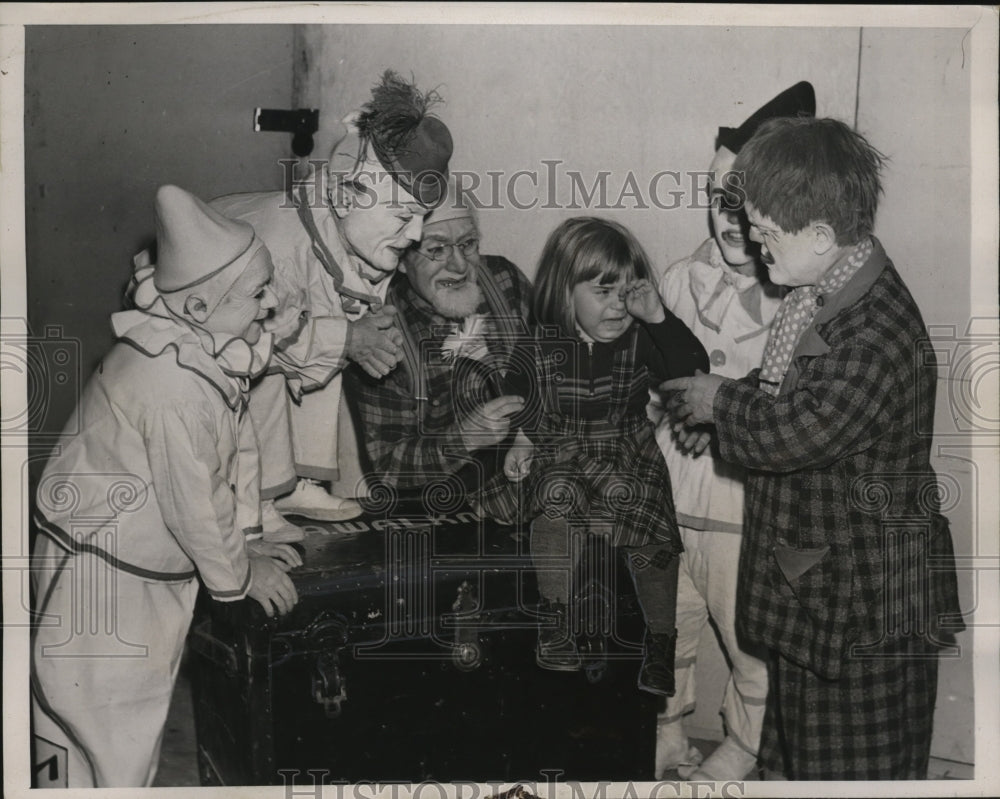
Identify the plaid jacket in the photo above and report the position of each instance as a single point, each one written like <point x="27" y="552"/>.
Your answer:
<point x="845" y="552"/>
<point x="409" y="421"/>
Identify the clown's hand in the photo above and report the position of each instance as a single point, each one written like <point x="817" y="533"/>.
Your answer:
<point x="489" y="424"/>
<point x="692" y="440"/>
<point x="693" y="401"/>
<point x="284" y="555"/>
<point x="375" y="343"/>
<point x="270" y="586"/>
<point x="289" y="314"/>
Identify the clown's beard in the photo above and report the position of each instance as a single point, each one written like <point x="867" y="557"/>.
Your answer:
<point x="457" y="303"/>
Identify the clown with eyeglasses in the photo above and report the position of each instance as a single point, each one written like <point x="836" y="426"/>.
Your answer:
<point x="443" y="251"/>
<point x="442" y="412"/>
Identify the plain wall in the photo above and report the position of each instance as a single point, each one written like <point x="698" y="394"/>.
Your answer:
<point x="914" y="103"/>
<point x="636" y="101"/>
<point x="111" y="113"/>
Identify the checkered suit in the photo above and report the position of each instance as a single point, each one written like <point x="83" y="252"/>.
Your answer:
<point x="874" y="723"/>
<point x="846" y="558"/>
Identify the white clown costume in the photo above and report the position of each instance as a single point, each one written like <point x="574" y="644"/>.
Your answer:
<point x="731" y="315"/>
<point x="301" y="428"/>
<point x="159" y="486"/>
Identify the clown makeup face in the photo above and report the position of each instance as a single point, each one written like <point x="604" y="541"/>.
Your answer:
<point x="444" y="269"/>
<point x="729" y="224"/>
<point x="378" y="223"/>
<point x="241" y="312"/>
<point x="792" y="259"/>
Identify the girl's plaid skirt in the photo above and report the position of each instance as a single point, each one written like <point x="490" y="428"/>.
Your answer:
<point x="599" y="470"/>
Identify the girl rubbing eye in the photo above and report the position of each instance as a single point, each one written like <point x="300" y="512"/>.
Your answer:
<point x="585" y="454"/>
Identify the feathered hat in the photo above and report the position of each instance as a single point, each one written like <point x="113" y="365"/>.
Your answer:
<point x="409" y="143"/>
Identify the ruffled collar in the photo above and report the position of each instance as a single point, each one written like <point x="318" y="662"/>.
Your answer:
<point x="715" y="284"/>
<point x="227" y="363"/>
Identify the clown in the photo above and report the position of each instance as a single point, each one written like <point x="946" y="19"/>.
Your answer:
<point x="851" y="610"/>
<point x="157" y="491"/>
<point x="333" y="254"/>
<point x="442" y="412"/>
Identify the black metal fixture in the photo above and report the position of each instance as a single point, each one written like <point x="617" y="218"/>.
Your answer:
<point x="302" y="123"/>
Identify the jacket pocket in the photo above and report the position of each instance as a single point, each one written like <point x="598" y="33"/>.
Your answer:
<point x="820" y="583"/>
<point x="796" y="561"/>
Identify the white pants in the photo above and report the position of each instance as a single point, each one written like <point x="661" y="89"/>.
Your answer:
<point x="105" y="656"/>
<point x="272" y="422"/>
<point x="303" y="439"/>
<point x="707" y="585"/>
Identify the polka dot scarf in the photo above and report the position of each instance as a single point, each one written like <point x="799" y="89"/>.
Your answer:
<point x="797" y="312"/>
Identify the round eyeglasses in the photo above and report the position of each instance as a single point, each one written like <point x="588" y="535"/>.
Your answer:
<point x="441" y="252"/>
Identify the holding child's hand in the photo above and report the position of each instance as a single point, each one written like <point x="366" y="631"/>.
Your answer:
<point x="643" y="302"/>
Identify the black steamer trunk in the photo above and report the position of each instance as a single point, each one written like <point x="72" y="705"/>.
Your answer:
<point x="411" y="657"/>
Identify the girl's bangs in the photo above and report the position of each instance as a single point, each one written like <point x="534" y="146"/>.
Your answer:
<point x="612" y="273"/>
<point x="609" y="266"/>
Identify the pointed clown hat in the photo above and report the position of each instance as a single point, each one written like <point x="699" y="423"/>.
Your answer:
<point x="799" y="100"/>
<point x="198" y="249"/>
<point x="393" y="133"/>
